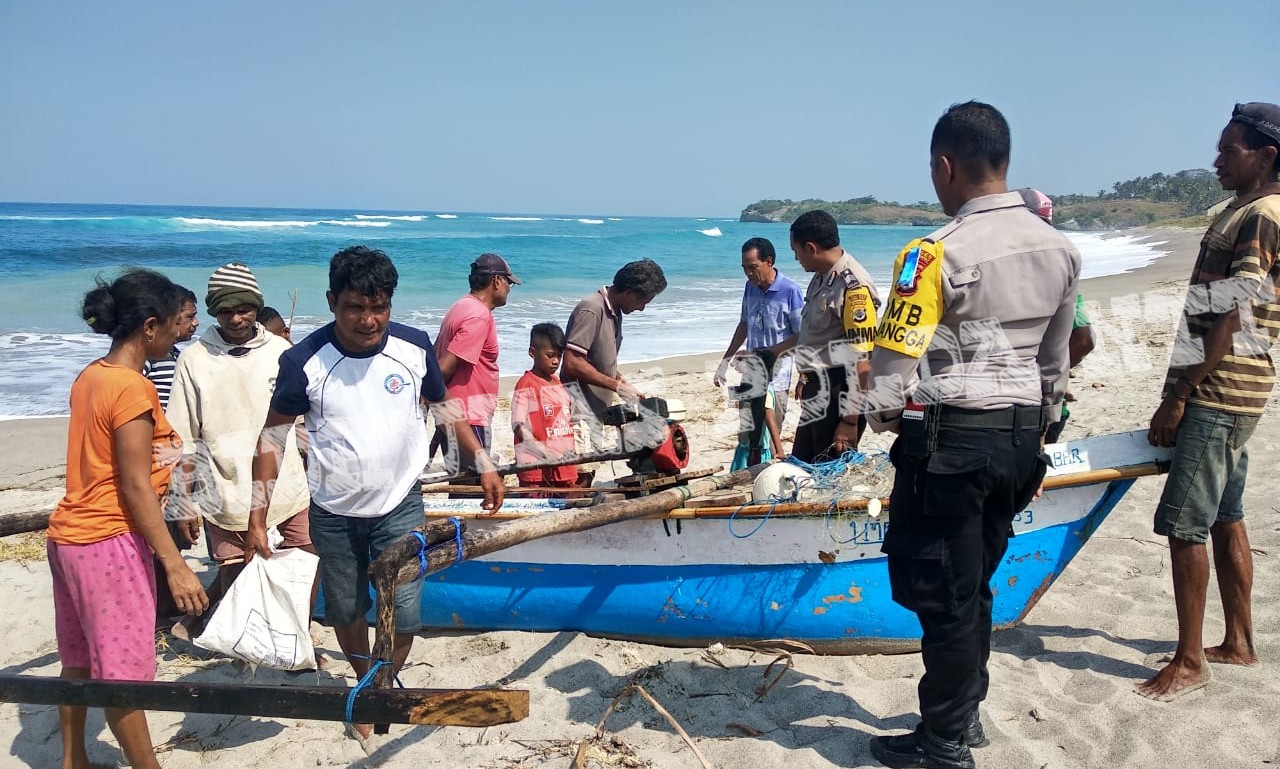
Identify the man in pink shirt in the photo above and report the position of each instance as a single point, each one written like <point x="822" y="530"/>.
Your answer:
<point x="467" y="347"/>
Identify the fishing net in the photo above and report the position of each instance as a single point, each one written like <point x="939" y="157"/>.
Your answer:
<point x="835" y="484"/>
<point x="853" y="475"/>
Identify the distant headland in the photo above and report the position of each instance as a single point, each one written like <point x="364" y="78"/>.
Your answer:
<point x="1180" y="199"/>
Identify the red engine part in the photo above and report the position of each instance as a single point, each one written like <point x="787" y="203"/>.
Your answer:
<point x="673" y="455"/>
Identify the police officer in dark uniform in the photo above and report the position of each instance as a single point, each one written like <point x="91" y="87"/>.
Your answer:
<point x="970" y="366"/>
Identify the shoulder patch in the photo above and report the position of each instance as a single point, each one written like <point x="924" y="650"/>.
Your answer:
<point x="850" y="280"/>
<point x="915" y="299"/>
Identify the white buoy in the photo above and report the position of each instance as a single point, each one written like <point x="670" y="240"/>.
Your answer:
<point x="779" y="481"/>
<point x="873" y="507"/>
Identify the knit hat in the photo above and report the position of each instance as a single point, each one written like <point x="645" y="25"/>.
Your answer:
<point x="230" y="286"/>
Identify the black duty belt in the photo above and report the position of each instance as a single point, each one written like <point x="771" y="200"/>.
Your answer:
<point x="1011" y="418"/>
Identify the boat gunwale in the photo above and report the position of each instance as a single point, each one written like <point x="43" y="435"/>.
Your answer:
<point x="815" y="509"/>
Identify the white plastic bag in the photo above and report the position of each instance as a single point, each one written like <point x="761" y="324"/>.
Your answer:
<point x="264" y="618"/>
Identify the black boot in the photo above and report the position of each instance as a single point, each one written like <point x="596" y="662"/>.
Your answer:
<point x="921" y="749"/>
<point x="974" y="735"/>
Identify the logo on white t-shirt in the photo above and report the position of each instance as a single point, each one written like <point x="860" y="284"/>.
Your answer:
<point x="393" y="384"/>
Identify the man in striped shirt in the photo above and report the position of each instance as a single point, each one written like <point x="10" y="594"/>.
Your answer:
<point x="1219" y="380"/>
<point x="160" y="372"/>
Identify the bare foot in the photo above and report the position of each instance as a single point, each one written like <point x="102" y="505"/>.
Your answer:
<point x="1174" y="680"/>
<point x="1222" y="655"/>
<point x="1227" y="655"/>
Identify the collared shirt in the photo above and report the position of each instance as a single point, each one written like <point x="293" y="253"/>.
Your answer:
<point x="840" y="304"/>
<point x="772" y="315"/>
<point x="595" y="331"/>
<point x="1237" y="264"/>
<point x="982" y="310"/>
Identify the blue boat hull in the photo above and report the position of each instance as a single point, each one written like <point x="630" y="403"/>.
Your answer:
<point x="839" y="607"/>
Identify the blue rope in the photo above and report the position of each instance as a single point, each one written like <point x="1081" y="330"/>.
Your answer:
<point x="363" y="683"/>
<point x="423" y="548"/>
<point x="457" y="538"/>
<point x="422" y="551"/>
<point x="823" y="475"/>
<point x="826" y="473"/>
<point x="762" y="522"/>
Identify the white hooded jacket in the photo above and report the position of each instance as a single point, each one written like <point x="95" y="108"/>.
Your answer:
<point x="221" y="393"/>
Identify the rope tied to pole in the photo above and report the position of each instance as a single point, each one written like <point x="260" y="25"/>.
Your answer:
<point x="365" y="681"/>
<point x="424" y="548"/>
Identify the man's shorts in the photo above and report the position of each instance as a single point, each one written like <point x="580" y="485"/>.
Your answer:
<point x="225" y="544"/>
<point x="1206" y="479"/>
<point x="104" y="607"/>
<point x="347" y="545"/>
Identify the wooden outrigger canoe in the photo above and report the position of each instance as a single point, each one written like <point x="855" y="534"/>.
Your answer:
<point x="695" y="576"/>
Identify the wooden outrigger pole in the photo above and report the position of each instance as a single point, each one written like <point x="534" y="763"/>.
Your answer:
<point x="380" y="705"/>
<point x="445" y="542"/>
<point x="443" y="707"/>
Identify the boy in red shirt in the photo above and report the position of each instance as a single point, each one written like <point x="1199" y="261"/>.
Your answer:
<point x="541" y="413"/>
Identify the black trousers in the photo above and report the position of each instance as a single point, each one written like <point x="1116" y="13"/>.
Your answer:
<point x="951" y="512"/>
<point x="819" y="415"/>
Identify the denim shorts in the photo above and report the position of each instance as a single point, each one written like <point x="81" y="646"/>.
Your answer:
<point x="1206" y="479"/>
<point x="347" y="545"/>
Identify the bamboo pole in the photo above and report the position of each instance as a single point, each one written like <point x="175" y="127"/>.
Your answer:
<point x="399" y="562"/>
<point x="512" y="468"/>
<point x="403" y="560"/>
<point x="785" y="509"/>
<point x="444" y="707"/>
<point x="516" y="491"/>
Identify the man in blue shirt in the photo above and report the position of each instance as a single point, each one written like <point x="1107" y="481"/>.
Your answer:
<point x="771" y="305"/>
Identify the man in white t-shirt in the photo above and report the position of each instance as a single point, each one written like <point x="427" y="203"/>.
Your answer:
<point x="361" y="384"/>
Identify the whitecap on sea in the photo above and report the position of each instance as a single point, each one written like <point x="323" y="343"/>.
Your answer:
<point x="350" y="223"/>
<point x="712" y="232"/>
<point x="244" y="223"/>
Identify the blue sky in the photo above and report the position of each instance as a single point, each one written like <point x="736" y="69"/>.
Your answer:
<point x="662" y="108"/>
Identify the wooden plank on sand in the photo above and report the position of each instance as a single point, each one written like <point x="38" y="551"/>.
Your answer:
<point x="442" y="707"/>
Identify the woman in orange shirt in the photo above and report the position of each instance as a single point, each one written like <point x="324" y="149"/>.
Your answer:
<point x="120" y="450"/>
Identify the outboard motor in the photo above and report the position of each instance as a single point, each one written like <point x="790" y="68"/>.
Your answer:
<point x="652" y="436"/>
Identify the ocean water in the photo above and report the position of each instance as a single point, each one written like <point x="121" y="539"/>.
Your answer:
<point x="50" y="255"/>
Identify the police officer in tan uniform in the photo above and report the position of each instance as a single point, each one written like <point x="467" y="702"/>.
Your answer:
<point x="837" y="330"/>
<point x="970" y="366"/>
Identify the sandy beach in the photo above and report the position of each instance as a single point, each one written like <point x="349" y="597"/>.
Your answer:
<point x="1061" y="683"/>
